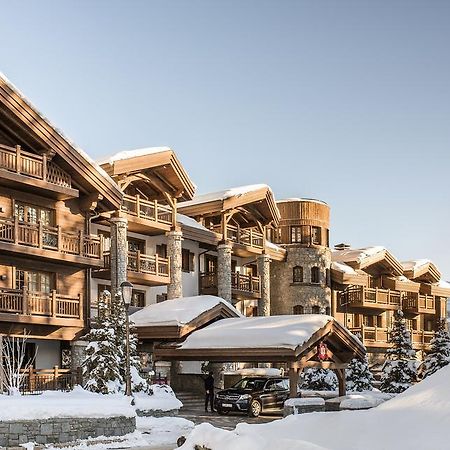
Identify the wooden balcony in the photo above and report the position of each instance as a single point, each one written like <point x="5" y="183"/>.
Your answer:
<point x="23" y="306"/>
<point x="147" y="216"/>
<point x="373" y="336"/>
<point x="51" y="243"/>
<point x="246" y="241"/>
<point x="243" y="287"/>
<point x="419" y="304"/>
<point x="34" y="173"/>
<point x="360" y="297"/>
<point x="379" y="337"/>
<point x="148" y="270"/>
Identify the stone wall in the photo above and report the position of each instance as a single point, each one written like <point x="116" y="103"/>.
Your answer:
<point x="58" y="430"/>
<point x="285" y="294"/>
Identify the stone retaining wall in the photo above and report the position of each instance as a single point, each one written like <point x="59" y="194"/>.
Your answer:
<point x="57" y="430"/>
<point x="157" y="412"/>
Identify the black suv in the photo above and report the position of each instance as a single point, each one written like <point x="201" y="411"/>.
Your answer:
<point x="254" y="395"/>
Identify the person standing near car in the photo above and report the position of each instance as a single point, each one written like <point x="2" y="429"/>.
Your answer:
<point x="209" y="392"/>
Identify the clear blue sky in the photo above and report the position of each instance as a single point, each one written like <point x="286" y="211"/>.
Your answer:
<point x="345" y="101"/>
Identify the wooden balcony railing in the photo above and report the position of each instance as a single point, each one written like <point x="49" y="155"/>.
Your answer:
<point x="250" y="237"/>
<point x="362" y="296"/>
<point x="50" y="238"/>
<point x="142" y="263"/>
<point x="147" y="209"/>
<point x="419" y="304"/>
<point x="53" y="304"/>
<point x="421" y="337"/>
<point x="239" y="282"/>
<point x="372" y="335"/>
<point x="16" y="160"/>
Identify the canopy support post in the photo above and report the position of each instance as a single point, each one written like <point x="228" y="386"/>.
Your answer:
<point x="342" y="381"/>
<point x="294" y="372"/>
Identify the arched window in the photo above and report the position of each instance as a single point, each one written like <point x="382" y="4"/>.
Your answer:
<point x="315" y="309"/>
<point x="315" y="275"/>
<point x="297" y="274"/>
<point x="298" y="309"/>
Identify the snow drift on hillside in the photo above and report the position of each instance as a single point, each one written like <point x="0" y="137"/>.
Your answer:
<point x="417" y="419"/>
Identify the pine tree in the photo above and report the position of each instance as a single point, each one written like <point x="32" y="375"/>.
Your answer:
<point x="399" y="371"/>
<point x="319" y="380"/>
<point x="358" y="375"/>
<point x="439" y="355"/>
<point x="101" y="366"/>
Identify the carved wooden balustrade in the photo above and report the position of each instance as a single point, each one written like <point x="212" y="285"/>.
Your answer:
<point x="249" y="237"/>
<point x="239" y="282"/>
<point x="16" y="160"/>
<point x="142" y="263"/>
<point x="147" y="209"/>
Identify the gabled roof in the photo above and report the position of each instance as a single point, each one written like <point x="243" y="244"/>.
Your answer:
<point x="374" y="260"/>
<point x="257" y="197"/>
<point x="343" y="274"/>
<point x="277" y="338"/>
<point x="174" y="319"/>
<point x="160" y="164"/>
<point x="23" y="120"/>
<point x="421" y="270"/>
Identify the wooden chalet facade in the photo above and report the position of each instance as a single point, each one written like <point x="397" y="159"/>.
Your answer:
<point x="49" y="190"/>
<point x="369" y="284"/>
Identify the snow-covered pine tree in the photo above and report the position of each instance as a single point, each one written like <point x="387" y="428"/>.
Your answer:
<point x="319" y="380"/>
<point x="358" y="375"/>
<point x="439" y="355"/>
<point x="101" y="366"/>
<point x="399" y="371"/>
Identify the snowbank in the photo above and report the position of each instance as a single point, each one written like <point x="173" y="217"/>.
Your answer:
<point x="364" y="400"/>
<point x="77" y="403"/>
<point x="162" y="431"/>
<point x="163" y="399"/>
<point x="417" y="419"/>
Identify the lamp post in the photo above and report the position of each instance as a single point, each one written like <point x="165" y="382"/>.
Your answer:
<point x="127" y="291"/>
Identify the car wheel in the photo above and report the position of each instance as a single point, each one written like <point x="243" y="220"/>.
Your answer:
<point x="255" y="408"/>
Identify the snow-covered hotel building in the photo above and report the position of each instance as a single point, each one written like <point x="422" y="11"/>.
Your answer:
<point x="71" y="228"/>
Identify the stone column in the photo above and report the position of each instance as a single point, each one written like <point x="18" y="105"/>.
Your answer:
<point x="224" y="271"/>
<point x="175" y="287"/>
<point x="264" y="273"/>
<point x="118" y="253"/>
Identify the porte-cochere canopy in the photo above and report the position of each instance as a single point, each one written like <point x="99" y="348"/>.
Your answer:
<point x="301" y="341"/>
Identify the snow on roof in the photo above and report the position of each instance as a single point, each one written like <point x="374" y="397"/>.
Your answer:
<point x="341" y="267"/>
<point x="355" y="254"/>
<point x="63" y="136"/>
<point x="190" y="222"/>
<point x="415" y="264"/>
<point x="275" y="247"/>
<point x="225" y="194"/>
<point x="443" y="284"/>
<point x="298" y="199"/>
<point x="258" y="332"/>
<point x="127" y="154"/>
<point x="177" y="312"/>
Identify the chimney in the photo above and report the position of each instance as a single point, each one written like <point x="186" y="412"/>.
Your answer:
<point x="342" y="246"/>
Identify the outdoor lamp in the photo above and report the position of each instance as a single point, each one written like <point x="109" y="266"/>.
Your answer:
<point x="127" y="291"/>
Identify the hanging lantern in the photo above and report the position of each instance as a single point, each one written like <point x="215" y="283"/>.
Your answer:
<point x="322" y="351"/>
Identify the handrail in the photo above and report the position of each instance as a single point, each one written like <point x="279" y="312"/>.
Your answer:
<point x="364" y="295"/>
<point x="147" y="209"/>
<point x="16" y="160"/>
<point x="143" y="263"/>
<point x="52" y="304"/>
<point x="244" y="236"/>
<point x="46" y="237"/>
<point x="240" y="282"/>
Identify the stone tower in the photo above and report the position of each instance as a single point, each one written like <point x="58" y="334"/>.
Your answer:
<point x="301" y="284"/>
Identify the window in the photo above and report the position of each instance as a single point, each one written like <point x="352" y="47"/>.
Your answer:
<point x="315" y="275"/>
<point x="379" y="321"/>
<point x="298" y="309"/>
<point x="296" y="234"/>
<point x="297" y="274"/>
<point x="251" y="311"/>
<point x="368" y="321"/>
<point x="33" y="214"/>
<point x="328" y="311"/>
<point x="137" y="297"/>
<point x="315" y="309"/>
<point x="34" y="281"/>
<point x="136" y="245"/>
<point x="161" y="250"/>
<point x="106" y="239"/>
<point x="316" y="235"/>
<point x="187" y="260"/>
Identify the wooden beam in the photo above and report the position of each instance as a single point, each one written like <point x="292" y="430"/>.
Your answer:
<point x="340" y="372"/>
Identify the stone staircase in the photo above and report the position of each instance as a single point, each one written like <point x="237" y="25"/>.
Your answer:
<point x="191" y="401"/>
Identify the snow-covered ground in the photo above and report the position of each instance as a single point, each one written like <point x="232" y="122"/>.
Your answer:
<point x="417" y="419"/>
<point x="163" y="399"/>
